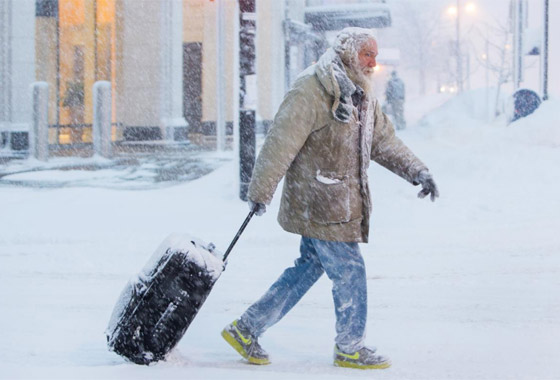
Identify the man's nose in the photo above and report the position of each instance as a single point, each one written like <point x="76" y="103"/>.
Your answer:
<point x="372" y="63"/>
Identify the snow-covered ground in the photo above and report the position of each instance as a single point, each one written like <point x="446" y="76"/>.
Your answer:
<point x="467" y="287"/>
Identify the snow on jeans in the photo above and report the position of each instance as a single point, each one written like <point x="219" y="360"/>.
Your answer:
<point x="344" y="265"/>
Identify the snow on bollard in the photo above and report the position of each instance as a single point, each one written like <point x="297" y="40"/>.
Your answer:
<point x="39" y="142"/>
<point x="102" y="118"/>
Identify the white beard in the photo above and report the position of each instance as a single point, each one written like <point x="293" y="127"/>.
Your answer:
<point x="363" y="77"/>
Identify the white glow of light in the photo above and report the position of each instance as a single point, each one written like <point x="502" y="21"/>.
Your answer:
<point x="452" y="11"/>
<point x="470" y="7"/>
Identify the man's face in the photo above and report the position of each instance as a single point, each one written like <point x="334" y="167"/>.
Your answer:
<point x="366" y="57"/>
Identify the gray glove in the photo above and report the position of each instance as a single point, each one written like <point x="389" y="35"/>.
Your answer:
<point x="428" y="185"/>
<point x="259" y="208"/>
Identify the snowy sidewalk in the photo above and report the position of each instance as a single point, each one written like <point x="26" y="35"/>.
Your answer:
<point x="124" y="172"/>
<point x="467" y="287"/>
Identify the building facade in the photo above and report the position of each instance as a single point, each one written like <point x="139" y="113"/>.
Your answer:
<point x="161" y="60"/>
<point x="17" y="70"/>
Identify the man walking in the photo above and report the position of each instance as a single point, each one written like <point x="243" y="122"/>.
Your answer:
<point x="326" y="131"/>
<point x="394" y="94"/>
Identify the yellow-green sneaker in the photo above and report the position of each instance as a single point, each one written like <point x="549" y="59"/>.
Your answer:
<point x="244" y="343"/>
<point x="364" y="358"/>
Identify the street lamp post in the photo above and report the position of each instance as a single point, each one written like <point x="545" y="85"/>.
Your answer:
<point x="456" y="11"/>
<point x="545" y="53"/>
<point x="458" y="48"/>
<point x="518" y="16"/>
<point x="487" y="74"/>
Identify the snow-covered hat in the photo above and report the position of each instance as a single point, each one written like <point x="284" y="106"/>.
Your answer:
<point x="349" y="41"/>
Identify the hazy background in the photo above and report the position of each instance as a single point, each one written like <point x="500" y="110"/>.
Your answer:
<point x="429" y="27"/>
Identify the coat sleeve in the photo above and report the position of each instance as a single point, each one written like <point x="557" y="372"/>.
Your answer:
<point x="292" y="124"/>
<point x="389" y="151"/>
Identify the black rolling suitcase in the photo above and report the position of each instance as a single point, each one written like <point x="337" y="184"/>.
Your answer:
<point x="155" y="309"/>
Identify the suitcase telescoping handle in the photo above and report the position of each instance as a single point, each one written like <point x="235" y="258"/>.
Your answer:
<point x="241" y="229"/>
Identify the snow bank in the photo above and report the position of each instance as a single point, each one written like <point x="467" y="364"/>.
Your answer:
<point x="464" y="119"/>
<point x="541" y="128"/>
<point x="470" y="105"/>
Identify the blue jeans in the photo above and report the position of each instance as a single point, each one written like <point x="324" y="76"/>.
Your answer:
<point x="344" y="265"/>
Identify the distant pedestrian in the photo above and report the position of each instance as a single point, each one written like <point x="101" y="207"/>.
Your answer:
<point x="395" y="94"/>
<point x="325" y="133"/>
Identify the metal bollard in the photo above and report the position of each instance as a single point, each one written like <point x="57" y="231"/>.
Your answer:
<point x="102" y="119"/>
<point x="39" y="141"/>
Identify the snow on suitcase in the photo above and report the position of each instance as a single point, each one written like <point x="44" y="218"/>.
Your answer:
<point x="155" y="309"/>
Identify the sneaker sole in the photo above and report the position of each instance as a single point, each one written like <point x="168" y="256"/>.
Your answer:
<point x="237" y="347"/>
<point x="345" y="364"/>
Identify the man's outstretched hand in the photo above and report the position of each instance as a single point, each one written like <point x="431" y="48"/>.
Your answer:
<point x="428" y="185"/>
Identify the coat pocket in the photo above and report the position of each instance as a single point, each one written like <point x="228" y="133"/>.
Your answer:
<point x="330" y="199"/>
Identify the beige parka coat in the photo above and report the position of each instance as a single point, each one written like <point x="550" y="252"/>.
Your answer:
<point x="325" y="158"/>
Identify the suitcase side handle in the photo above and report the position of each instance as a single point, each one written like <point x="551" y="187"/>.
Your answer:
<point x="241" y="229"/>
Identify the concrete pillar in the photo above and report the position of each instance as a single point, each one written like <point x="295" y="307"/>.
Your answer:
<point x="17" y="69"/>
<point x="171" y="68"/>
<point x="46" y="52"/>
<point x="5" y="62"/>
<point x="137" y="68"/>
<point x="209" y="62"/>
<point x="102" y="118"/>
<point x="270" y="57"/>
<point x="39" y="141"/>
<point x="149" y="69"/>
